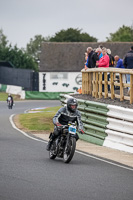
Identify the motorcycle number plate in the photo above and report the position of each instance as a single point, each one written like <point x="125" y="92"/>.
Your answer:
<point x="72" y="129"/>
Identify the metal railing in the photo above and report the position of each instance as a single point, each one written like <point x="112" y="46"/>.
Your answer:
<point x="101" y="82"/>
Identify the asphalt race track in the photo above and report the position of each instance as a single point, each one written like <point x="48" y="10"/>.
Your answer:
<point x="27" y="173"/>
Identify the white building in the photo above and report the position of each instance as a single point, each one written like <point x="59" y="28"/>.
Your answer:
<point x="60" y="68"/>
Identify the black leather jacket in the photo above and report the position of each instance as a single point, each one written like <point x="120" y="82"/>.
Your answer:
<point x="63" y="116"/>
<point x="128" y="60"/>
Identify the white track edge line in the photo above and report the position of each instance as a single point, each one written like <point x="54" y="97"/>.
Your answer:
<point x="13" y="125"/>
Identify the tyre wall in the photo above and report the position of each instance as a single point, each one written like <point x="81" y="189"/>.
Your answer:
<point x="106" y="125"/>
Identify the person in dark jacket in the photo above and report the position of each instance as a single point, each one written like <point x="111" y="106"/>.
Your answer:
<point x="63" y="116"/>
<point x="94" y="59"/>
<point x="128" y="59"/>
<point x="90" y="52"/>
<point x="128" y="63"/>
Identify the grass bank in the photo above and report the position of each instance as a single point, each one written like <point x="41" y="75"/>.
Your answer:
<point x="4" y="95"/>
<point x="40" y="121"/>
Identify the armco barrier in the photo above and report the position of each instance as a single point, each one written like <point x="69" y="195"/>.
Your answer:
<point x="94" y="117"/>
<point x="106" y="125"/>
<point x="119" y="128"/>
<point x="120" y="113"/>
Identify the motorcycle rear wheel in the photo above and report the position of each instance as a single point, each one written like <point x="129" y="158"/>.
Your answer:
<point x="69" y="150"/>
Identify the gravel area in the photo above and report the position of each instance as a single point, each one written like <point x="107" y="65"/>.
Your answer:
<point x="115" y="101"/>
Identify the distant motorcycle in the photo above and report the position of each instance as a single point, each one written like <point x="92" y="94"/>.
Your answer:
<point x="65" y="144"/>
<point x="9" y="103"/>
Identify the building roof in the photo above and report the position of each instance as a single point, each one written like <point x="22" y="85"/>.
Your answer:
<point x="69" y="56"/>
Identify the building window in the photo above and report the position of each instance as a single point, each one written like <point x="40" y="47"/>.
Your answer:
<point x="58" y="75"/>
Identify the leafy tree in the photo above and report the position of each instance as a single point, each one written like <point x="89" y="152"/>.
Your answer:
<point x="18" y="57"/>
<point x="3" y="39"/>
<point x="72" y="35"/>
<point x="123" y="34"/>
<point x="33" y="47"/>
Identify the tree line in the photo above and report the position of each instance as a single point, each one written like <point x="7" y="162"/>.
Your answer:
<point x="28" y="58"/>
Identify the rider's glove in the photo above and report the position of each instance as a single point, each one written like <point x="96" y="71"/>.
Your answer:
<point x="81" y="131"/>
<point x="58" y="124"/>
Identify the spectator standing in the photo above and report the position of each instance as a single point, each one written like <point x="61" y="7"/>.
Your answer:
<point x="104" y="62"/>
<point x="90" y="52"/>
<point x="128" y="63"/>
<point x="94" y="58"/>
<point x="86" y="60"/>
<point x="99" y="52"/>
<point x="111" y="58"/>
<point x="119" y="64"/>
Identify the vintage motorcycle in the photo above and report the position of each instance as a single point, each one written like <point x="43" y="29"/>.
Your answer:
<point x="65" y="144"/>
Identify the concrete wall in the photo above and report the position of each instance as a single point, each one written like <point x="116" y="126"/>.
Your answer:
<point x="59" y="82"/>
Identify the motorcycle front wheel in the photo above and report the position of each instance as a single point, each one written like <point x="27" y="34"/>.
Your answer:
<point x="69" y="150"/>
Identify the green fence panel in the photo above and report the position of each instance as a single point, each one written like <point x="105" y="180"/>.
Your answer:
<point x="42" y="95"/>
<point x="3" y="88"/>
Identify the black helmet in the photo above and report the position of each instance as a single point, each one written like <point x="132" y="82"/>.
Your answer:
<point x="72" y="104"/>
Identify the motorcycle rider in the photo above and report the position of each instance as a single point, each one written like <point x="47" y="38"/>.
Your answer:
<point x="63" y="116"/>
<point x="10" y="98"/>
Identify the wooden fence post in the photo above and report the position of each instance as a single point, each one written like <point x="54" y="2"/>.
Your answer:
<point x="100" y="85"/>
<point x="131" y="88"/>
<point x="90" y="83"/>
<point x="96" y="92"/>
<point x="112" y="85"/>
<point x="105" y="84"/>
<point x="121" y="88"/>
<point x="94" y="85"/>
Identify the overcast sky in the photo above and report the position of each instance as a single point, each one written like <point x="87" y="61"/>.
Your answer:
<point x="21" y="20"/>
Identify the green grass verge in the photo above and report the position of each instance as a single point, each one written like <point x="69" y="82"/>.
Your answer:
<point x="4" y="95"/>
<point x="39" y="121"/>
